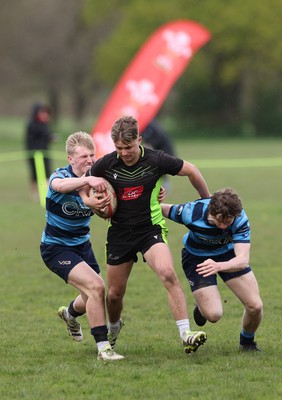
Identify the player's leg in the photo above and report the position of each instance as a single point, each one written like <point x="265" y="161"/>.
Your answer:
<point x="245" y="287"/>
<point x="209" y="304"/>
<point x="92" y="289"/>
<point x="159" y="258"/>
<point x="117" y="277"/>
<point x="92" y="286"/>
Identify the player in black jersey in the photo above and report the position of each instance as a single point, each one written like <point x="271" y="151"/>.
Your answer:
<point x="138" y="224"/>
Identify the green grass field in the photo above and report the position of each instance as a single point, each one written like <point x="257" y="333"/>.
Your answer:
<point x="40" y="361"/>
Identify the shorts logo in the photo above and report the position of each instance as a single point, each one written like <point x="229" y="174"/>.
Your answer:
<point x="191" y="282"/>
<point x="65" y="262"/>
<point x="131" y="193"/>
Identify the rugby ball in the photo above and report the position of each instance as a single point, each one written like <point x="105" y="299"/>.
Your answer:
<point x="108" y="211"/>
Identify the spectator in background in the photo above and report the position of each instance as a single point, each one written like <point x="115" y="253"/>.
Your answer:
<point x="155" y="137"/>
<point x="38" y="136"/>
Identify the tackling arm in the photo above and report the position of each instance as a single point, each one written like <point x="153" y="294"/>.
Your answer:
<point x="196" y="178"/>
<point x="237" y="263"/>
<point x="70" y="184"/>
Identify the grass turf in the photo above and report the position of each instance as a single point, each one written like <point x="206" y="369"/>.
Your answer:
<point x="40" y="361"/>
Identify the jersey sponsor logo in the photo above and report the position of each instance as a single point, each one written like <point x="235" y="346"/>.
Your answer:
<point x="221" y="241"/>
<point x="131" y="193"/>
<point x="71" y="208"/>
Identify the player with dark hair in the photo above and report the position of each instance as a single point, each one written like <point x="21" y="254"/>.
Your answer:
<point x="218" y="243"/>
<point x="136" y="174"/>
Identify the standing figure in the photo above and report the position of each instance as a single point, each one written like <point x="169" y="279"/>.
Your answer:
<point x="138" y="225"/>
<point x="218" y="243"/>
<point x="38" y="137"/>
<point x="155" y="137"/>
<point x="65" y="246"/>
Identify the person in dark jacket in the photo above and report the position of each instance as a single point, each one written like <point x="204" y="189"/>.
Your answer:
<point x="155" y="137"/>
<point x="38" y="137"/>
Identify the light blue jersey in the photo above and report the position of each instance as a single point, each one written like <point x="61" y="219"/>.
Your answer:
<point x="203" y="238"/>
<point x="67" y="217"/>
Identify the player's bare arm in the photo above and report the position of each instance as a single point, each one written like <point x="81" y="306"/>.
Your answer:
<point x="196" y="179"/>
<point x="165" y="209"/>
<point x="70" y="184"/>
<point x="237" y="263"/>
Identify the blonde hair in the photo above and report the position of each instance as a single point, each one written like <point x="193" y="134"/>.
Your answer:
<point x="79" y="139"/>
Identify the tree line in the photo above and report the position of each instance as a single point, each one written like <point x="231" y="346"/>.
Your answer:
<point x="73" y="52"/>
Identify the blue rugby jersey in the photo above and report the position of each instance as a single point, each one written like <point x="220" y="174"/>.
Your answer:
<point x="204" y="239"/>
<point x="67" y="217"/>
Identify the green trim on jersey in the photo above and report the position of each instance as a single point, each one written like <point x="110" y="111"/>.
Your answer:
<point x="156" y="210"/>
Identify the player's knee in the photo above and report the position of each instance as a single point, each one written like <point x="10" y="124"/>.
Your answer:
<point x="169" y="278"/>
<point x="97" y="288"/>
<point x="115" y="295"/>
<point x="255" y="308"/>
<point x="214" y="316"/>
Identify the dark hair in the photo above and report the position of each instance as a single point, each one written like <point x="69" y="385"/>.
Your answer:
<point x="125" y="129"/>
<point x="226" y="203"/>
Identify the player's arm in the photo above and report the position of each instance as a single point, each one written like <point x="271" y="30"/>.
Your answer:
<point x="196" y="178"/>
<point x="166" y="209"/>
<point x="70" y="184"/>
<point x="237" y="263"/>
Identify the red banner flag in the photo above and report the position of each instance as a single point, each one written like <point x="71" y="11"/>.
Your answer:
<point x="146" y="82"/>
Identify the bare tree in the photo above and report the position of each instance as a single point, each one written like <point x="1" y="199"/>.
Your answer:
<point x="47" y="50"/>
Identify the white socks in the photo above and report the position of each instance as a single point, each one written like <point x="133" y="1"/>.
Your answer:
<point x="114" y="327"/>
<point x="183" y="325"/>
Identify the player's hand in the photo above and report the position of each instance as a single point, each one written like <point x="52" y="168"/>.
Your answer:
<point x="162" y="194"/>
<point x="98" y="201"/>
<point x="99" y="184"/>
<point x="207" y="268"/>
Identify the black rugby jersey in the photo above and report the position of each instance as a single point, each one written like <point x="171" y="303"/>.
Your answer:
<point x="137" y="186"/>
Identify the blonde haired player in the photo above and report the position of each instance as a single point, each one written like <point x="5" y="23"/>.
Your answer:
<point x="65" y="246"/>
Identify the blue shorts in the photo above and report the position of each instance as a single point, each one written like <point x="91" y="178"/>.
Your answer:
<point x="62" y="259"/>
<point x="196" y="281"/>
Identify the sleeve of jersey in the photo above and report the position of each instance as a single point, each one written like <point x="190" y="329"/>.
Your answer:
<point x="59" y="173"/>
<point x="180" y="213"/>
<point x="242" y="230"/>
<point x="169" y="164"/>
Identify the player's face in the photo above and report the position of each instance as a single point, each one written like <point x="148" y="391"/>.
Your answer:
<point x="129" y="152"/>
<point x="81" y="160"/>
<point x="221" y="223"/>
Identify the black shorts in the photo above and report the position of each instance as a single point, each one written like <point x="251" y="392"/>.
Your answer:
<point x="196" y="281"/>
<point x="62" y="259"/>
<point x="123" y="244"/>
